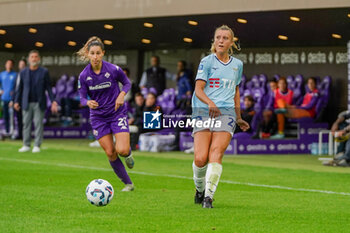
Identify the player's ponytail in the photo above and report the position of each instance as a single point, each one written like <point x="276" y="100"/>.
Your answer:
<point x="92" y="41"/>
<point x="230" y="51"/>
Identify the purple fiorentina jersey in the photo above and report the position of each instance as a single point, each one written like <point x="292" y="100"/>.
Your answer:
<point x="104" y="89"/>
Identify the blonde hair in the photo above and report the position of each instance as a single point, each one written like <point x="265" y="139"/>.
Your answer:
<point x="227" y="28"/>
<point x="92" y="41"/>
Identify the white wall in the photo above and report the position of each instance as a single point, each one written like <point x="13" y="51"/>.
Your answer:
<point x="14" y="12"/>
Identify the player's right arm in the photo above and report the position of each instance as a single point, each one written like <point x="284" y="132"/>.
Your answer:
<point x="83" y="94"/>
<point x="201" y="81"/>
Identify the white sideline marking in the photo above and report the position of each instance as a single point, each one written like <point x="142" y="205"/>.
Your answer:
<point x="176" y="176"/>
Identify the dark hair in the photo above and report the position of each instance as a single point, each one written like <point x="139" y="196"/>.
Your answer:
<point x="249" y="97"/>
<point x="184" y="63"/>
<point x="273" y="81"/>
<point x="127" y="71"/>
<point x="283" y="79"/>
<point x="157" y="57"/>
<point x="312" y="78"/>
<point x="33" y="51"/>
<point x="24" y="60"/>
<point x="11" y="60"/>
<point x="151" y="93"/>
<point x="138" y="94"/>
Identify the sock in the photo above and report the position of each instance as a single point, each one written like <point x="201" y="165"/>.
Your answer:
<point x="119" y="169"/>
<point x="199" y="177"/>
<point x="212" y="179"/>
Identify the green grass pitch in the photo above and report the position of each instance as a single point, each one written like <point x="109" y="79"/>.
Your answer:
<point x="45" y="192"/>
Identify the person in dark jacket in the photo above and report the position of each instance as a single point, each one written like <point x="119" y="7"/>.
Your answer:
<point x="31" y="98"/>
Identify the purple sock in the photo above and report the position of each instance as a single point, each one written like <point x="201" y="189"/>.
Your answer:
<point x="119" y="169"/>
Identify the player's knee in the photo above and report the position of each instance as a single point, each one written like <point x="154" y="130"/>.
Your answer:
<point x="123" y="151"/>
<point x="200" y="161"/>
<point x="216" y="151"/>
<point x="111" y="154"/>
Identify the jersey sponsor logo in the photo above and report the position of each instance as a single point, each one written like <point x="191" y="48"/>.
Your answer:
<point x="230" y="84"/>
<point x="215" y="68"/>
<point x="88" y="78"/>
<point x="107" y="75"/>
<point x="214" y="82"/>
<point x="100" y="86"/>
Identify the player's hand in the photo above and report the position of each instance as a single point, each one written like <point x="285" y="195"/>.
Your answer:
<point x="119" y="101"/>
<point x="92" y="104"/>
<point x="11" y="104"/>
<point x="16" y="107"/>
<point x="243" y="124"/>
<point x="214" y="111"/>
<point x="339" y="133"/>
<point x="54" y="107"/>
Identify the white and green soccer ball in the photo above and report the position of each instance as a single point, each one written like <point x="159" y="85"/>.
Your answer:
<point x="99" y="192"/>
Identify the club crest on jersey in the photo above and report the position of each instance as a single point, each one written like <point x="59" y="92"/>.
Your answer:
<point x="200" y="68"/>
<point x="107" y="75"/>
<point x="95" y="132"/>
<point x="88" y="78"/>
<point x="235" y="68"/>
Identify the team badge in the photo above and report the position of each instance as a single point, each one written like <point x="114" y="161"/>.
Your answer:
<point x="107" y="75"/>
<point x="95" y="132"/>
<point x="88" y="78"/>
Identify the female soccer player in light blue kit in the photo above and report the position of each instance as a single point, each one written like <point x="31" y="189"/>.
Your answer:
<point x="217" y="99"/>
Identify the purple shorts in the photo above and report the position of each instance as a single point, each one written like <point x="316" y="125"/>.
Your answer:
<point x="101" y="127"/>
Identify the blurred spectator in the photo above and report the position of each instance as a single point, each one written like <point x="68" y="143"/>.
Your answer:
<point x="155" y="76"/>
<point x="184" y="87"/>
<point x="67" y="107"/>
<point x="267" y="127"/>
<point x="308" y="106"/>
<point x="21" y="65"/>
<point x="31" y="98"/>
<point x="272" y="85"/>
<point x="7" y="90"/>
<point x="342" y="121"/>
<point x="150" y="104"/>
<point x="278" y="102"/>
<point x="136" y="118"/>
<point x="341" y="159"/>
<point x="138" y="106"/>
<point x="248" y="112"/>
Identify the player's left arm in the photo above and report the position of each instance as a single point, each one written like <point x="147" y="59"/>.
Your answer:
<point x="312" y="102"/>
<point x="121" y="77"/>
<point x="240" y="122"/>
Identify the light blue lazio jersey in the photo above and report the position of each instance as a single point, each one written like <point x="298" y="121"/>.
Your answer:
<point x="221" y="81"/>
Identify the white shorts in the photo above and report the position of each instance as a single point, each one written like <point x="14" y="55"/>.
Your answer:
<point x="224" y="123"/>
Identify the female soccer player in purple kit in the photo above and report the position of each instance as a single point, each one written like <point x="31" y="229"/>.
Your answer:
<point x="99" y="80"/>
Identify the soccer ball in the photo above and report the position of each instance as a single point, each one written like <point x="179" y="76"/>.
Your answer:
<point x="99" y="192"/>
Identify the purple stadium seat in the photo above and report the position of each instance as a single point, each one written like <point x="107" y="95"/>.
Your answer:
<point x="255" y="81"/>
<point x="153" y="90"/>
<point x="61" y="87"/>
<point x="144" y="92"/>
<point x="70" y="89"/>
<point x="276" y="77"/>
<point x="242" y="84"/>
<point x="290" y="81"/>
